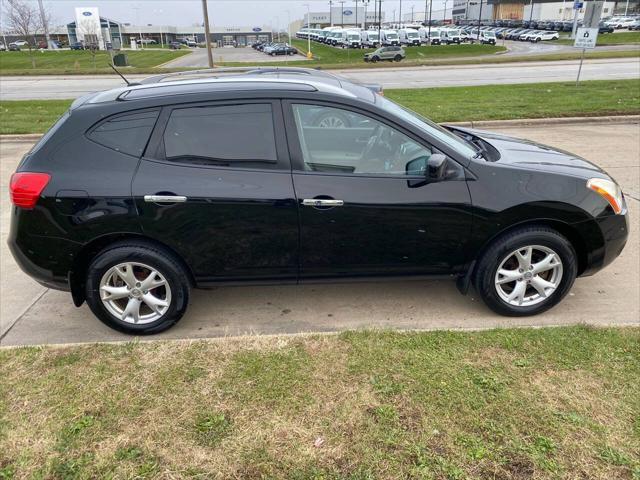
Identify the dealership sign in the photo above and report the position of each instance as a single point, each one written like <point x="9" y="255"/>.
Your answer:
<point x="257" y="29"/>
<point x="87" y="14"/>
<point x="88" y="28"/>
<point x="348" y="12"/>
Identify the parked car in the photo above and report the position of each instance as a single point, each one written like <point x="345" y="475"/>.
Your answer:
<point x="77" y="46"/>
<point x="283" y="50"/>
<point x="635" y="25"/>
<point x="175" y="45"/>
<point x="21" y="43"/>
<point x="180" y="185"/>
<point x="539" y="36"/>
<point x="14" y="47"/>
<point x="3" y="47"/>
<point x="370" y="39"/>
<point x="484" y="37"/>
<point x="392" y="54"/>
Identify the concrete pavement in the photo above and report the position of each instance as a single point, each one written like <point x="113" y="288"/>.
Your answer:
<point x="610" y="297"/>
<point x="73" y="86"/>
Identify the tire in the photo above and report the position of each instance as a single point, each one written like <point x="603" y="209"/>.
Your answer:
<point x="499" y="253"/>
<point x="374" y="59"/>
<point x="101" y="273"/>
<point x="397" y="58"/>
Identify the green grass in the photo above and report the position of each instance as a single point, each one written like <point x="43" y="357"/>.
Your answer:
<point x="618" y="38"/>
<point x="536" y="100"/>
<point x="75" y="61"/>
<point x="30" y="116"/>
<point x="500" y="404"/>
<point x="449" y="104"/>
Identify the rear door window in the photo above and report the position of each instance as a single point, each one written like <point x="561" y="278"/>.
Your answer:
<point x="127" y="133"/>
<point x="227" y="135"/>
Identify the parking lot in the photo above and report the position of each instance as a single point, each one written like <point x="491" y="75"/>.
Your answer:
<point x="198" y="57"/>
<point x="34" y="315"/>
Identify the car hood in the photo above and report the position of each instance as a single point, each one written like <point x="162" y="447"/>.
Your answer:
<point x="533" y="155"/>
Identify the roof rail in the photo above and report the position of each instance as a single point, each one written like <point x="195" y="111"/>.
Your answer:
<point x="230" y="71"/>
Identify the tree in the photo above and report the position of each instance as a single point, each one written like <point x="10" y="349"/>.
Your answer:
<point x="25" y="21"/>
<point x="91" y="34"/>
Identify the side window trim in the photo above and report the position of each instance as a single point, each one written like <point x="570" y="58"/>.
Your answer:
<point x="295" y="143"/>
<point x="156" y="151"/>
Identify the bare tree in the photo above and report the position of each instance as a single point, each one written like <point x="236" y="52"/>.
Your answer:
<point x="91" y="35"/>
<point x="25" y="21"/>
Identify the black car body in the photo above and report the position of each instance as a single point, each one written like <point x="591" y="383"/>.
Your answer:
<point x="289" y="176"/>
<point x="77" y="46"/>
<point x="283" y="50"/>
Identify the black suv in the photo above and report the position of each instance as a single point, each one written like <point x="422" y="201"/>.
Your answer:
<point x="140" y="193"/>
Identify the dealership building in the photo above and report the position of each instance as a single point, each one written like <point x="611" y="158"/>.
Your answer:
<point x="338" y="16"/>
<point x="90" y="27"/>
<point x="521" y="10"/>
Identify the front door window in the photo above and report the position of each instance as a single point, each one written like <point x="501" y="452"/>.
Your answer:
<point x="342" y="141"/>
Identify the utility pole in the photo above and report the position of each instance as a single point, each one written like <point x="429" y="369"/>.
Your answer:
<point x="356" y="13"/>
<point x="379" y="21"/>
<point x="430" y="8"/>
<point x="365" y="2"/>
<point x="207" y="32"/>
<point x="331" y="12"/>
<point x="45" y="23"/>
<point x="531" y="12"/>
<point x="400" y="14"/>
<point x="341" y="2"/>
<point x="309" y="55"/>
<point x="479" y="20"/>
<point x="412" y="7"/>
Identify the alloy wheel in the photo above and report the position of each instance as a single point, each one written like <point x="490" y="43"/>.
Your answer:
<point x="135" y="293"/>
<point x="528" y="275"/>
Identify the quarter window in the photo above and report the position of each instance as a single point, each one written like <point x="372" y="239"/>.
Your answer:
<point x="221" y="135"/>
<point x="341" y="141"/>
<point x="127" y="133"/>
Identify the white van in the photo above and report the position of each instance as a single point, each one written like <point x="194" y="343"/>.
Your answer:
<point x="409" y="36"/>
<point x="389" y="37"/>
<point x="370" y="39"/>
<point x="352" y="39"/>
<point x="452" y="35"/>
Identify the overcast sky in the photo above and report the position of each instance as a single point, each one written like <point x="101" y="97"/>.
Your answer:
<point x="224" y="13"/>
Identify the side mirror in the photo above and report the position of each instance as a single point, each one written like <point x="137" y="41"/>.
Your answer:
<point x="436" y="167"/>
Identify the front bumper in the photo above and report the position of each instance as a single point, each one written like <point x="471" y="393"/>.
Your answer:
<point x="614" y="231"/>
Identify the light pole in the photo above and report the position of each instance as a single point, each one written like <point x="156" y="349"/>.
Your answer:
<point x="400" y="15"/>
<point x="309" y="56"/>
<point x="137" y="9"/>
<point x="531" y="12"/>
<point x="341" y="2"/>
<point x="161" y="39"/>
<point x="207" y="32"/>
<point x="364" y="24"/>
<point x="444" y="16"/>
<point x="429" y="27"/>
<point x="331" y="12"/>
<point x="412" y="7"/>
<point x="289" y="27"/>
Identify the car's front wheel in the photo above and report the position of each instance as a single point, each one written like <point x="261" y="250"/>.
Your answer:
<point x="137" y="288"/>
<point x="526" y="271"/>
<point x="397" y="58"/>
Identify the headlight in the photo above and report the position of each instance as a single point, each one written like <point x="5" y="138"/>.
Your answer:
<point x="608" y="190"/>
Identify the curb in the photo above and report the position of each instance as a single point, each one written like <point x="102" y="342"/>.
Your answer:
<point x="614" y="119"/>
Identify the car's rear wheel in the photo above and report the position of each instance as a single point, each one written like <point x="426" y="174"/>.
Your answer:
<point x="526" y="272"/>
<point x="137" y="288"/>
<point x="397" y="58"/>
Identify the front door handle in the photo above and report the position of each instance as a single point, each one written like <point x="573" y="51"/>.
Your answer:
<point x="322" y="202"/>
<point x="165" y="199"/>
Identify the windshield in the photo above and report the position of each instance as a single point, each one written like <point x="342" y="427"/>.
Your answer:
<point x="412" y="34"/>
<point x="354" y="36"/>
<point x="489" y="34"/>
<point x="373" y="36"/>
<point x="445" y="136"/>
<point x="392" y="35"/>
<point x="454" y="33"/>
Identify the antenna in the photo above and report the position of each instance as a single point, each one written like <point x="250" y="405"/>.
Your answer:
<point x="129" y="84"/>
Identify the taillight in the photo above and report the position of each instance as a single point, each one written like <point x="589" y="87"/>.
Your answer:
<point x="26" y="187"/>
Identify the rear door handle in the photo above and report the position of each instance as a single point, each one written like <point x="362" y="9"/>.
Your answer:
<point x="165" y="199"/>
<point x="322" y="202"/>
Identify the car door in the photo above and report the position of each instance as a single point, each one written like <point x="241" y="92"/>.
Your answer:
<point x="215" y="186"/>
<point x="362" y="212"/>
